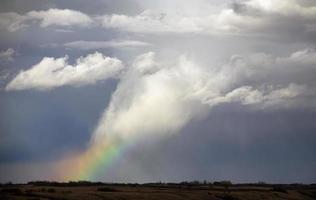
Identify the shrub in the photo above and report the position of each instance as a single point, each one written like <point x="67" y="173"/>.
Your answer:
<point x="106" y="189"/>
<point x="29" y="192"/>
<point x="279" y="189"/>
<point x="51" y="190"/>
<point x="15" y="191"/>
<point x="66" y="191"/>
<point x="222" y="183"/>
<point x="226" y="197"/>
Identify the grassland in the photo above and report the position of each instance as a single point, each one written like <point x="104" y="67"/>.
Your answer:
<point x="100" y="191"/>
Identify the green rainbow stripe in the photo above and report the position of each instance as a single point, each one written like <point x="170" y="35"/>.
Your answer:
<point x="94" y="161"/>
<point x="101" y="161"/>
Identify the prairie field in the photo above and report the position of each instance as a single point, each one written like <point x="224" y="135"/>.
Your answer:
<point x="69" y="191"/>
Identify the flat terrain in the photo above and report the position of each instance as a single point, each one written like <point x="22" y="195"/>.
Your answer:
<point x="157" y="191"/>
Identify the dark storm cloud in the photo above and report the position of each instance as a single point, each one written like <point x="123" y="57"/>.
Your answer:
<point x="282" y="21"/>
<point x="21" y="6"/>
<point x="231" y="143"/>
<point x="48" y="124"/>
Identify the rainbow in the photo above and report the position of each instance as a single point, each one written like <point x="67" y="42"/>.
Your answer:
<point x="88" y="165"/>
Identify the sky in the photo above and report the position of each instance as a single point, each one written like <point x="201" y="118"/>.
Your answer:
<point x="148" y="91"/>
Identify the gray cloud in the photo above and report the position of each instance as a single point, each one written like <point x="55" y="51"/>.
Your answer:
<point x="293" y="19"/>
<point x="7" y="55"/>
<point x="282" y="19"/>
<point x="90" y="45"/>
<point x="95" y="7"/>
<point x="12" y="21"/>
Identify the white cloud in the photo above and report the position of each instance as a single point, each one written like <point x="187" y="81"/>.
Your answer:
<point x="150" y="103"/>
<point x="157" y="97"/>
<point x="150" y="21"/>
<point x="266" y="97"/>
<point x="255" y="17"/>
<point x="153" y="22"/>
<point x="89" y="45"/>
<point x="55" y="72"/>
<point x="146" y="63"/>
<point x="60" y="17"/>
<point x="7" y="55"/>
<point x="53" y="17"/>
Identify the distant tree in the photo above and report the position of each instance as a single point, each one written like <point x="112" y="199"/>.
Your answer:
<point x="195" y="182"/>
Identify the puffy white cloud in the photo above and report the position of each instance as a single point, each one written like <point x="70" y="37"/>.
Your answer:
<point x="60" y="17"/>
<point x="150" y="103"/>
<point x="266" y="97"/>
<point x="154" y="22"/>
<point x="263" y="80"/>
<point x="146" y="63"/>
<point x="7" y="55"/>
<point x="157" y="97"/>
<point x="55" y="72"/>
<point x="53" y="17"/>
<point x="88" y="45"/>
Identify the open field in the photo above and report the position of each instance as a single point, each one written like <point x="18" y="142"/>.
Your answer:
<point x="99" y="191"/>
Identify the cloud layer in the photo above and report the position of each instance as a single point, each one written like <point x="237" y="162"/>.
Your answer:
<point x="289" y="18"/>
<point x="89" y="45"/>
<point x="12" y="21"/>
<point x="250" y="17"/>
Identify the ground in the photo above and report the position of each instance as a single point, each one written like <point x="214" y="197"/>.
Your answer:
<point x="156" y="191"/>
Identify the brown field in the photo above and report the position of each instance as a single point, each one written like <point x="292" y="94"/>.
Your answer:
<point x="156" y="191"/>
